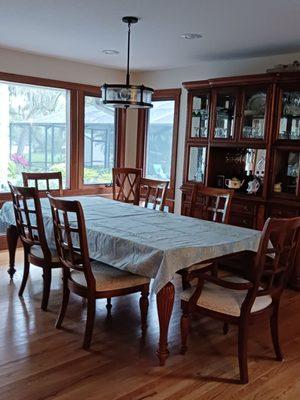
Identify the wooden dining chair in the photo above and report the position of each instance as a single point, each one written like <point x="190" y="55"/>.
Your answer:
<point x="30" y="227"/>
<point x="43" y="181"/>
<point x="153" y="193"/>
<point x="89" y="279"/>
<point x="210" y="204"/>
<point x="238" y="301"/>
<point x="126" y="185"/>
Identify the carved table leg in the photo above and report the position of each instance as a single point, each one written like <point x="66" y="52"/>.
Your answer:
<point x="165" y="301"/>
<point x="12" y="241"/>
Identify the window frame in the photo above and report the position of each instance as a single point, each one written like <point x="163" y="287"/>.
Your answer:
<point x="120" y="132"/>
<point x="77" y="92"/>
<point x="142" y="133"/>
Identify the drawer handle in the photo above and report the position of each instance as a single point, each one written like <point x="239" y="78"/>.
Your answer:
<point x="244" y="221"/>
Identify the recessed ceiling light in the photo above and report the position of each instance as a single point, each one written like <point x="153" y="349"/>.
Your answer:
<point x="191" y="35"/>
<point x="110" y="52"/>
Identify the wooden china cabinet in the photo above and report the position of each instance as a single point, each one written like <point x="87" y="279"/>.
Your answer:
<point x="247" y="127"/>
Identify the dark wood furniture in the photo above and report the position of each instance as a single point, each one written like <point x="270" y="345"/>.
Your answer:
<point x="90" y="280"/>
<point x="153" y="193"/>
<point x="234" y="300"/>
<point x="126" y="184"/>
<point x="30" y="229"/>
<point x="243" y="127"/>
<point x="211" y="204"/>
<point x="45" y="179"/>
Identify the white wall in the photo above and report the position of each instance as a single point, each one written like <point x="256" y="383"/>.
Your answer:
<point x="17" y="62"/>
<point x="173" y="79"/>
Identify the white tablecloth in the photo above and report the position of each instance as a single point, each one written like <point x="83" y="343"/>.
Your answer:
<point x="149" y="242"/>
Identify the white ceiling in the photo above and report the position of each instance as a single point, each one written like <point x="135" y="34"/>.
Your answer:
<point x="81" y="29"/>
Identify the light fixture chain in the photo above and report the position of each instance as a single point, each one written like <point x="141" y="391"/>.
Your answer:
<point x="128" y="54"/>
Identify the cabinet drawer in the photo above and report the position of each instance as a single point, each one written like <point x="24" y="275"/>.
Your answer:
<point x="283" y="212"/>
<point x="241" y="208"/>
<point x="246" y="221"/>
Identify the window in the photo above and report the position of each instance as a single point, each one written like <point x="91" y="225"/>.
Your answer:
<point x="34" y="131"/>
<point x="160" y="140"/>
<point x="99" y="141"/>
<point x="157" y="139"/>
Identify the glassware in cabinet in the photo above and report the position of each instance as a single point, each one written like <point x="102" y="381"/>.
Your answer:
<point x="254" y="114"/>
<point x="197" y="164"/>
<point x="289" y="123"/>
<point x="200" y="116"/>
<point x="224" y="122"/>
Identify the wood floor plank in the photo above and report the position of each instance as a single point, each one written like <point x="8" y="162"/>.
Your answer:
<point x="39" y="362"/>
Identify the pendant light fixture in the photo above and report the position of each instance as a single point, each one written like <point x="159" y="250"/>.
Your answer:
<point x="127" y="96"/>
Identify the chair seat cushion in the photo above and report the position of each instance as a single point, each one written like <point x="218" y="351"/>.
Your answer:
<point x="225" y="301"/>
<point x="37" y="251"/>
<point x="109" y="278"/>
<point x="195" y="267"/>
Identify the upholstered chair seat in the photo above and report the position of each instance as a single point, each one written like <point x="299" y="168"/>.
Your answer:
<point x="224" y="300"/>
<point x="195" y="267"/>
<point x="109" y="278"/>
<point x="37" y="251"/>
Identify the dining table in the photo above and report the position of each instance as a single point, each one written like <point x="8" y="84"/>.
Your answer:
<point x="147" y="242"/>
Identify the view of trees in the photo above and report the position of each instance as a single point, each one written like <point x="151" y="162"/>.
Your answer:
<point x="99" y="141"/>
<point x="160" y="140"/>
<point x="34" y="121"/>
<point x="35" y="126"/>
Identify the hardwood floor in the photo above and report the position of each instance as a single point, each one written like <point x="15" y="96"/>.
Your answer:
<point x="39" y="362"/>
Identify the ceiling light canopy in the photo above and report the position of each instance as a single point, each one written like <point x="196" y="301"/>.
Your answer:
<point x="110" y="52"/>
<point x="127" y="96"/>
<point x="191" y="36"/>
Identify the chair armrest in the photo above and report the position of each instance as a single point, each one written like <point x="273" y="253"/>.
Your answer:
<point x="217" y="281"/>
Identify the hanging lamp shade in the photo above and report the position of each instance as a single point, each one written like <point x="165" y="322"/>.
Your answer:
<point x="126" y="95"/>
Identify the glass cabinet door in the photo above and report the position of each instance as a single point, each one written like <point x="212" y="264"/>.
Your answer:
<point x="289" y="126"/>
<point x="253" y="114"/>
<point x="286" y="172"/>
<point x="224" y="118"/>
<point x="197" y="163"/>
<point x="200" y="116"/>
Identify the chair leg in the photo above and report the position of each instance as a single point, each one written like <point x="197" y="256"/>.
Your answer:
<point x="242" y="350"/>
<point x="144" y="304"/>
<point x="47" y="276"/>
<point x="108" y="308"/>
<point x="184" y="281"/>
<point x="185" y="328"/>
<point x="25" y="273"/>
<point x="214" y="270"/>
<point x="91" y="307"/>
<point x="225" y="328"/>
<point x="274" y="331"/>
<point x="64" y="304"/>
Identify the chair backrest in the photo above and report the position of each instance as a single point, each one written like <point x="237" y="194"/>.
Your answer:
<point x="153" y="193"/>
<point x="211" y="204"/>
<point x="276" y="253"/>
<point x="126" y="184"/>
<point x="70" y="237"/>
<point x="45" y="179"/>
<point x="29" y="218"/>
